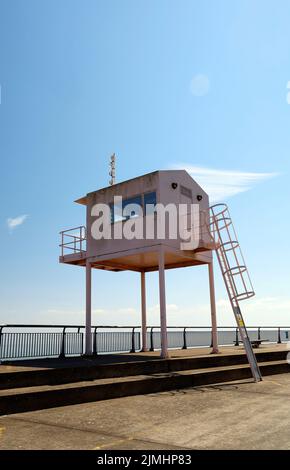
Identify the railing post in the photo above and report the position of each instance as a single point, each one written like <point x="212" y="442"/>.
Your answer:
<point x="184" y="339"/>
<point x="82" y="340"/>
<point x="95" y="347"/>
<point x="279" y="336"/>
<point x="151" y="340"/>
<point x="62" y="349"/>
<point x="133" y="341"/>
<point x="1" y="334"/>
<point x="83" y="343"/>
<point x="237" y="337"/>
<point x="259" y="334"/>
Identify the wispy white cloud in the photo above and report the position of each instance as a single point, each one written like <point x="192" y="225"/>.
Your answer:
<point x="260" y="310"/>
<point x="169" y="307"/>
<point x="288" y="93"/>
<point x="222" y="184"/>
<point x="124" y="310"/>
<point x="257" y="311"/>
<point x="269" y="311"/>
<point x="269" y="304"/>
<point x="12" y="223"/>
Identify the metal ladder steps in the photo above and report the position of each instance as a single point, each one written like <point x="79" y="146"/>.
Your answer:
<point x="38" y="377"/>
<point x="43" y="397"/>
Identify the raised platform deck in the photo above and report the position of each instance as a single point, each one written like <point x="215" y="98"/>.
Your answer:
<point x="143" y="259"/>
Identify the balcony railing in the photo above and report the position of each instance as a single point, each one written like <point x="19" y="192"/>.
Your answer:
<point x="73" y="240"/>
<point x="34" y="341"/>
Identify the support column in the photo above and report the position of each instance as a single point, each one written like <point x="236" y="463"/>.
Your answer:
<point x="88" y="344"/>
<point x="143" y="310"/>
<point x="162" y="301"/>
<point x="215" y="348"/>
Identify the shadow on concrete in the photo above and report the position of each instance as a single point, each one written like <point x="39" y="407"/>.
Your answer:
<point x="59" y="363"/>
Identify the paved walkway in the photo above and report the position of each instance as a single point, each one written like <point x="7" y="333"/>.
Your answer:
<point x="243" y="415"/>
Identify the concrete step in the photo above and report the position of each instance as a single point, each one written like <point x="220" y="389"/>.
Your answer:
<point x="57" y="376"/>
<point x="35" y="398"/>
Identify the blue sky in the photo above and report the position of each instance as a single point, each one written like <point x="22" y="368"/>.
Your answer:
<point x="200" y="85"/>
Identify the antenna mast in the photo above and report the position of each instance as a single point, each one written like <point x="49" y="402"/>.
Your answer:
<point x="112" y="171"/>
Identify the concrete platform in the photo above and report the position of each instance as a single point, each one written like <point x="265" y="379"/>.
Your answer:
<point x="26" y="388"/>
<point x="237" y="415"/>
<point x="40" y="372"/>
<point x="21" y="365"/>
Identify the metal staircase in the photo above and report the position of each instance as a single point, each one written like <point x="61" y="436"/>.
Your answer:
<point x="234" y="271"/>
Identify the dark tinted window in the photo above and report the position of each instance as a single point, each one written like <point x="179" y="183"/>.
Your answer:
<point x="149" y="198"/>
<point x="135" y="210"/>
<point x="117" y="212"/>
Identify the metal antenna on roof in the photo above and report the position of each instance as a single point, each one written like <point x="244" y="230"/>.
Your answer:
<point x="112" y="171"/>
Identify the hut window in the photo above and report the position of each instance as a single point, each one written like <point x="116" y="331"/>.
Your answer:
<point x="132" y="207"/>
<point x="149" y="203"/>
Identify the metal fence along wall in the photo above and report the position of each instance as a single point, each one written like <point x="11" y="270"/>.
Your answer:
<point x="26" y="345"/>
<point x="116" y="341"/>
<point x="181" y="339"/>
<point x="15" y="344"/>
<point x="49" y="344"/>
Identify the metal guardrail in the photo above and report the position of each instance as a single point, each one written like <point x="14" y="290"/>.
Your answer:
<point x="73" y="240"/>
<point x="28" y="345"/>
<point x="68" y="340"/>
